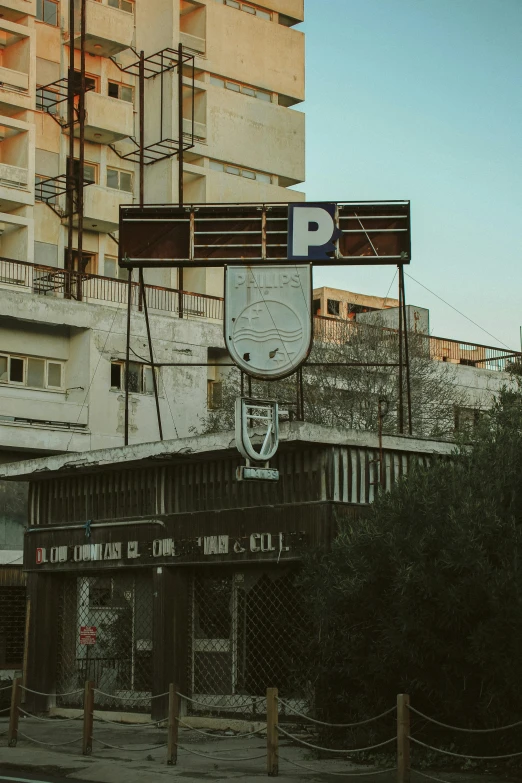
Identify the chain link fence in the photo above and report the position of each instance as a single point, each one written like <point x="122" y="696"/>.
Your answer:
<point x="243" y="640"/>
<point x="120" y="660"/>
<point x="12" y="626"/>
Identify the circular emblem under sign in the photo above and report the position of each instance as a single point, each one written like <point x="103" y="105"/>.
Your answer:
<point x="268" y="318"/>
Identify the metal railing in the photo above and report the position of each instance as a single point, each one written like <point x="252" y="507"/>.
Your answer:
<point x="62" y="283"/>
<point x="96" y="288"/>
<point x="340" y="331"/>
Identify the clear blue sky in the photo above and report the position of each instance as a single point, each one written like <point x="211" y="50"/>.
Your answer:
<point x="422" y="99"/>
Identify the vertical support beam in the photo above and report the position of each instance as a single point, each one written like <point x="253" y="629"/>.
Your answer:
<point x="301" y="393"/>
<point x="180" y="163"/>
<point x="43" y="590"/>
<point x="88" y="718"/>
<point x="151" y="353"/>
<point x="272" y="750"/>
<point x="406" y="350"/>
<point x="70" y="160"/>
<point x="382" y="473"/>
<point x="173" y="725"/>
<point x="170" y="627"/>
<point x="249" y="385"/>
<point x="401" y="401"/>
<point x="81" y="155"/>
<point x="242" y="384"/>
<point x="180" y="124"/>
<point x="403" y="738"/>
<point x="127" y="356"/>
<point x="16" y="696"/>
<point x="141" y="79"/>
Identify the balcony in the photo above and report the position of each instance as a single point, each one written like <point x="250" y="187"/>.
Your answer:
<point x="200" y="130"/>
<point x="101" y="208"/>
<point x="109" y="30"/>
<point x="193" y="43"/>
<point x="14" y="187"/>
<point x="16" y="43"/>
<point x="16" y="10"/>
<point x="107" y="119"/>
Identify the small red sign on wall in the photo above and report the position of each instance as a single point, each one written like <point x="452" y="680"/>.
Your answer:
<point x="88" y="634"/>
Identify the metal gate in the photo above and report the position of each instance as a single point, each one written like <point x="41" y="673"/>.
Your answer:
<point x="244" y="640"/>
<point x="120" y="660"/>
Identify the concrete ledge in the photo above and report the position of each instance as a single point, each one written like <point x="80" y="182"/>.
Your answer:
<point x="194" y="721"/>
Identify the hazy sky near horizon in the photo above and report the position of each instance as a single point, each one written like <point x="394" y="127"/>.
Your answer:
<point x="422" y="100"/>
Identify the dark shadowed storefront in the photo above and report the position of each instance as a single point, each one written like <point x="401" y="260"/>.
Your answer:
<point x="151" y="564"/>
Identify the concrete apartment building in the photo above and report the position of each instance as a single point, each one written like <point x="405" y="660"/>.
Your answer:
<point x="62" y="331"/>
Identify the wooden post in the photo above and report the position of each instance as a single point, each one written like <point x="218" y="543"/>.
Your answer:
<point x="173" y="725"/>
<point x="272" y="753"/>
<point x="403" y="738"/>
<point x="88" y="718"/>
<point x="16" y="695"/>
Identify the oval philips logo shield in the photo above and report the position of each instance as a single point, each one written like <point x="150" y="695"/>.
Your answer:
<point x="268" y="318"/>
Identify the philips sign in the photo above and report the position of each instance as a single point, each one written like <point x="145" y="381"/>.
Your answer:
<point x="312" y="232"/>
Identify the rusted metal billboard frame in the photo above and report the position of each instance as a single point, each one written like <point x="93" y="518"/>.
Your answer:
<point x="214" y="235"/>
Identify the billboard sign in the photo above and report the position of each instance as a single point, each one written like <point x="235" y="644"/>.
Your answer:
<point x="206" y="235"/>
<point x="268" y="318"/>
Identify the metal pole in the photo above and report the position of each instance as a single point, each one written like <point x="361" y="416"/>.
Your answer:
<point x="301" y="392"/>
<point x="401" y="411"/>
<point x="180" y="124"/>
<point x="70" y="160"/>
<point x="127" y="357"/>
<point x="149" y="338"/>
<point x="142" y="126"/>
<point x="180" y="162"/>
<point x="406" y="352"/>
<point x="81" y="166"/>
<point x="381" y="460"/>
<point x="249" y="386"/>
<point x="242" y="383"/>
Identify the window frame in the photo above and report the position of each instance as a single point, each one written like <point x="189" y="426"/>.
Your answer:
<point x="142" y="370"/>
<point x="24" y="384"/>
<point x="56" y="4"/>
<point x="119" y="8"/>
<point x="119" y="172"/>
<point x="119" y="85"/>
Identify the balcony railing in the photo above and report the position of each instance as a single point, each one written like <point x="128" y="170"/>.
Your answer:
<point x="61" y="283"/>
<point x="339" y="331"/>
<point x="13" y="176"/>
<point x="192" y="42"/>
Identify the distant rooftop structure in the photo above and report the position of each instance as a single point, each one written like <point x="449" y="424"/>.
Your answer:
<point x="336" y="302"/>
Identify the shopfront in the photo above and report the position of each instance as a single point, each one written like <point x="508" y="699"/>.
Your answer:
<point x="150" y="564"/>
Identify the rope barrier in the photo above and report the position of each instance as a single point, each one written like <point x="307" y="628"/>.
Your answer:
<point x="336" y="725"/>
<point x="344" y="774"/>
<point x="334" y="750"/>
<point x="39" y="693"/>
<point x="219" y="758"/>
<point x="123" y="747"/>
<point x="6" y="688"/>
<point x="49" y="744"/>
<point x="202" y="704"/>
<point x="6" y="709"/>
<point x="228" y="736"/>
<point x="459" y="728"/>
<point x="49" y="720"/>
<point x="129" y="725"/>
<point x="430" y="777"/>
<point x="128" y="698"/>
<point x="462" y="755"/>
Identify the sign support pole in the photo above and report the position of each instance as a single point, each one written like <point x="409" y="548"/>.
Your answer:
<point x="401" y="385"/>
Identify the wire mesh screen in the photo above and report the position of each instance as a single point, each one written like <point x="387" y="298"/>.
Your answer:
<point x="244" y="640"/>
<point x="119" y="661"/>
<point x="12" y="627"/>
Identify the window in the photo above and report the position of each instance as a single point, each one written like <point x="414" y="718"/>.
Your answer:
<point x="466" y="418"/>
<point x="247" y="8"/>
<point x="316" y="306"/>
<point x="123" y="5"/>
<point x="121" y="91"/>
<point x="90" y="171"/>
<point x="112" y="269"/>
<point x="47" y="11"/>
<point x="333" y="307"/>
<point x="46" y="191"/>
<point x="140" y="377"/>
<point x="46" y="100"/>
<point x="31" y="371"/>
<point x="91" y="82"/>
<point x="214" y="395"/>
<point x="119" y="180"/>
<point x="246" y="89"/>
<point x="216" y="165"/>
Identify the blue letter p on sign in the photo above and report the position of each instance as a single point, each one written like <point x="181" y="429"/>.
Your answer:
<point x="311" y="232"/>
